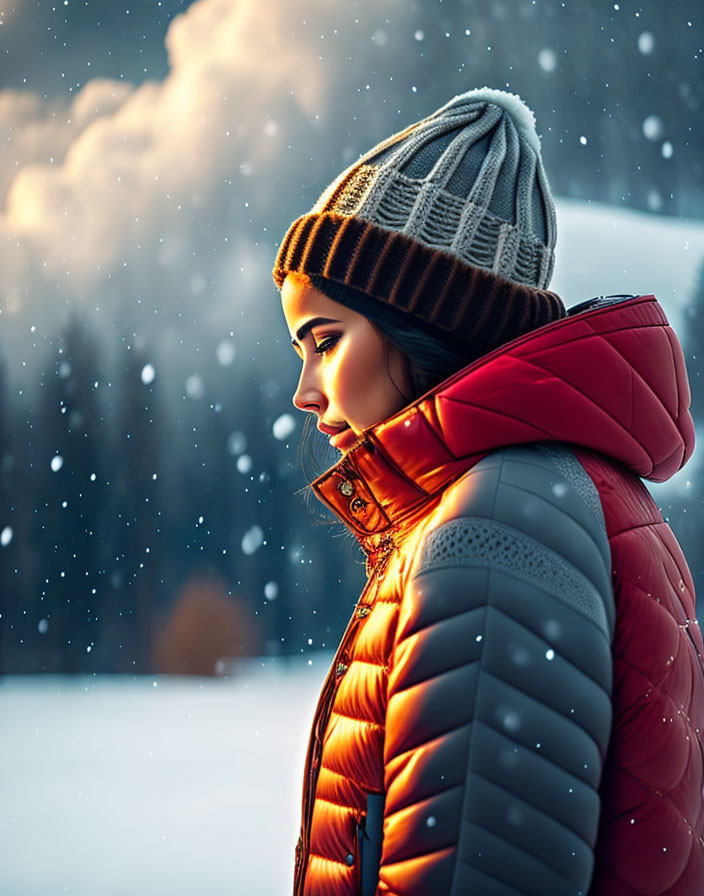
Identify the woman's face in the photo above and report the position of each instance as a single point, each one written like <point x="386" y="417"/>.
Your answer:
<point x="348" y="379"/>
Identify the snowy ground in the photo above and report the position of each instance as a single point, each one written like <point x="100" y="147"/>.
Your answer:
<point x="603" y="250"/>
<point x="154" y="786"/>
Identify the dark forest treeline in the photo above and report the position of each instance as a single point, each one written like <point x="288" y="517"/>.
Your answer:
<point x="122" y="516"/>
<point x="136" y="535"/>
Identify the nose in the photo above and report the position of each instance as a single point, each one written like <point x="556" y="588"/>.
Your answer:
<point x="308" y="395"/>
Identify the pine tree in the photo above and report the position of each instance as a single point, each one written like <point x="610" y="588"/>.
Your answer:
<point x="69" y="498"/>
<point x="8" y="524"/>
<point x="140" y="556"/>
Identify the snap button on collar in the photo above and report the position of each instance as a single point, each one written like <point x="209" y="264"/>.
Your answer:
<point x="346" y="488"/>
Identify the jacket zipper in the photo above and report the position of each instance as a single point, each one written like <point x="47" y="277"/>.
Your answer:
<point x="320" y="720"/>
<point x="359" y="834"/>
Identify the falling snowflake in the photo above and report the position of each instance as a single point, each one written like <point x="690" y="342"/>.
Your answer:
<point x="236" y="443"/>
<point x="252" y="539"/>
<point x="547" y="59"/>
<point x="654" y="200"/>
<point x="283" y="427"/>
<point x="226" y="352"/>
<point x="653" y="128"/>
<point x="646" y="43"/>
<point x="244" y="463"/>
<point x="194" y="386"/>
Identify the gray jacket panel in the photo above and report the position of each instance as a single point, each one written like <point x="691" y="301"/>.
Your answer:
<point x="512" y="617"/>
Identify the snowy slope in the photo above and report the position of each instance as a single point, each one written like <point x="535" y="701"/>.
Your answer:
<point x="154" y="786"/>
<point x="602" y="250"/>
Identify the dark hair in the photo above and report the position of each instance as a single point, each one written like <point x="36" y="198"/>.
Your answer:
<point x="431" y="353"/>
<point x="430" y="359"/>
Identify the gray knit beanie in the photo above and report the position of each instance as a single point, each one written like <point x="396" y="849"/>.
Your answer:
<point x="450" y="220"/>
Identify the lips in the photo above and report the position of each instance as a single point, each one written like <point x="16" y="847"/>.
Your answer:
<point x="330" y="430"/>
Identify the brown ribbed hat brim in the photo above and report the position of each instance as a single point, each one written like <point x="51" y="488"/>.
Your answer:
<point x="471" y="303"/>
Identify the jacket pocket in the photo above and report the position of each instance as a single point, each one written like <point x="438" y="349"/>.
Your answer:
<point x="370" y="836"/>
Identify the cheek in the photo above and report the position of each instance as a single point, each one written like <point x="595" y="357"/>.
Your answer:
<point x="351" y="375"/>
<point x="361" y="381"/>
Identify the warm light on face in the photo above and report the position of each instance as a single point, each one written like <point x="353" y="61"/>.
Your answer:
<point x="350" y="375"/>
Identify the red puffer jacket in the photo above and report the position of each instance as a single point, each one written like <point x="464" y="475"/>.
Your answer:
<point x="516" y="706"/>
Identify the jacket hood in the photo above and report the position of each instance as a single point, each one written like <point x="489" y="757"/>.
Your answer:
<point x="610" y="377"/>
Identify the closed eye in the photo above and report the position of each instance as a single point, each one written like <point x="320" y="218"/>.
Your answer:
<point x="326" y="344"/>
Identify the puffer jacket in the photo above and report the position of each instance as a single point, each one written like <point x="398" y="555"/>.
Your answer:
<point x="516" y="706"/>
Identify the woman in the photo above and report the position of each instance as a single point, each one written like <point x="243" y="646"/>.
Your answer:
<point x="517" y="703"/>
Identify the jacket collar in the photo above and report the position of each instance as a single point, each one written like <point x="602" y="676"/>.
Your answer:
<point x="610" y="377"/>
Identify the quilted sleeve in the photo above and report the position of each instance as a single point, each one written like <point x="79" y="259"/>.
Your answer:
<point x="499" y="693"/>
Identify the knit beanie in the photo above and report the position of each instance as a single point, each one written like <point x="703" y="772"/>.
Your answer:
<point x="450" y="221"/>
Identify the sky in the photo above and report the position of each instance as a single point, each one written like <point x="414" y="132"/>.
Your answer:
<point x="53" y="46"/>
<point x="145" y="196"/>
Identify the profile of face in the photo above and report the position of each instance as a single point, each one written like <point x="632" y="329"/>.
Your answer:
<point x="351" y="377"/>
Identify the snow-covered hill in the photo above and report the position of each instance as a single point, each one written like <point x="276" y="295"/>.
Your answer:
<point x="602" y="250"/>
<point x="154" y="786"/>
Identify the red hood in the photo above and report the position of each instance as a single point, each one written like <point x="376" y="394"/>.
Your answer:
<point x="610" y="377"/>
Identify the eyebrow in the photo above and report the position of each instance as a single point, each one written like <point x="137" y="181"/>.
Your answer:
<point x="308" y="326"/>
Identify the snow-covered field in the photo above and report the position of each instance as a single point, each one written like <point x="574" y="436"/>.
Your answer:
<point x="154" y="786"/>
<point x="602" y="250"/>
<point x="164" y="787"/>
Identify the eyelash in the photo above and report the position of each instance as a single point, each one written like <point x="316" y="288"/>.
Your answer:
<point x="326" y="345"/>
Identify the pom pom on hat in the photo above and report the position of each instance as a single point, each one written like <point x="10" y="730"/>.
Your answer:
<point x="521" y="115"/>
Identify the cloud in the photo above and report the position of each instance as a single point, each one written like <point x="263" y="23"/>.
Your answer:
<point x="164" y="200"/>
<point x="40" y="132"/>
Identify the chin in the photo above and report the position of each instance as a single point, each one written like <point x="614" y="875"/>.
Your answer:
<point x="344" y="440"/>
